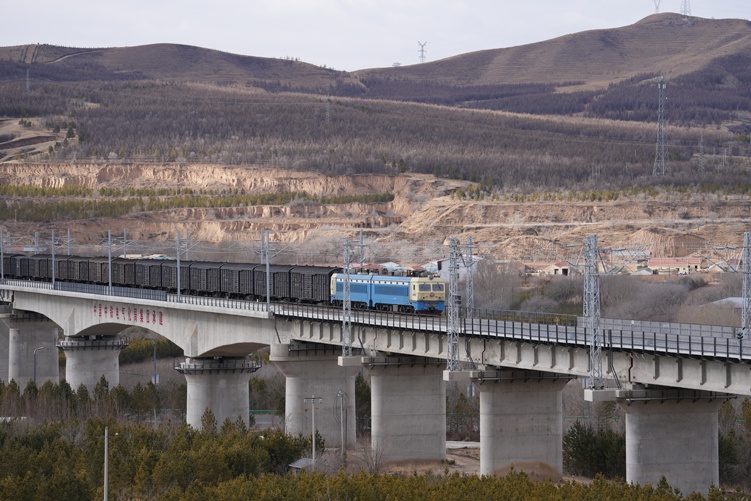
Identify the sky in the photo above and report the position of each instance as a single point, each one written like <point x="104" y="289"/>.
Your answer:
<point x="340" y="34"/>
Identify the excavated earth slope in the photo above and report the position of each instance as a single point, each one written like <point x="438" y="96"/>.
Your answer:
<point x="412" y="228"/>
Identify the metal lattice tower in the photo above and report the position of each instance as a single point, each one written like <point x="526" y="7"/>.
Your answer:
<point x="657" y="6"/>
<point x="469" y="263"/>
<point x="592" y="310"/>
<point x="346" y="306"/>
<point x="746" y="315"/>
<point x="452" y="327"/>
<point x="422" y="51"/>
<point x="686" y="8"/>
<point x="661" y="161"/>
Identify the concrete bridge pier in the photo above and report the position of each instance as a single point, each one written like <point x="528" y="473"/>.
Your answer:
<point x="312" y="370"/>
<point x="673" y="433"/>
<point x="22" y="335"/>
<point x="408" y="409"/>
<point x="521" y="418"/>
<point x="218" y="384"/>
<point x="88" y="359"/>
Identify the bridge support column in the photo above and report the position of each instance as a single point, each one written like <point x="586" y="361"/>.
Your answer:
<point x="408" y="409"/>
<point x="313" y="371"/>
<point x="25" y="335"/>
<point x="673" y="433"/>
<point x="220" y="385"/>
<point x="521" y="418"/>
<point x="88" y="359"/>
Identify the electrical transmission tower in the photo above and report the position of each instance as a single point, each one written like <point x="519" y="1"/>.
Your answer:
<point x="592" y="309"/>
<point x="686" y="8"/>
<point x="661" y="162"/>
<point x="657" y="6"/>
<point x="422" y="51"/>
<point x="452" y="328"/>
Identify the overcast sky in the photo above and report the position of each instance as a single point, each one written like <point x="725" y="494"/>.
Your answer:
<point x="341" y="34"/>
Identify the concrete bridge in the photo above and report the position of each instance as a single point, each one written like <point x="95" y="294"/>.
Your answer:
<point x="669" y="379"/>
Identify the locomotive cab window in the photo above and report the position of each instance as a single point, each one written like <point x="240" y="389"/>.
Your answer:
<point x="424" y="287"/>
<point x="438" y="287"/>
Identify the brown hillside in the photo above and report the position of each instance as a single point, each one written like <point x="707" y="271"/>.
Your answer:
<point x="662" y="43"/>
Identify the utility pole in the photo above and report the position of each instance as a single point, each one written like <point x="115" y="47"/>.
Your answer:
<point x="2" y="257"/>
<point x="52" y="274"/>
<point x="592" y="310"/>
<point x="346" y="305"/>
<point x="661" y="162"/>
<point x="109" y="260"/>
<point x="266" y="252"/>
<point x="469" y="266"/>
<point x="361" y="251"/>
<point x="177" y="247"/>
<point x="702" y="158"/>
<point x="452" y="328"/>
<point x="746" y="315"/>
<point x="422" y="51"/>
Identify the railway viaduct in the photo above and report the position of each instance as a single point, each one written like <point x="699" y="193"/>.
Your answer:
<point x="670" y="383"/>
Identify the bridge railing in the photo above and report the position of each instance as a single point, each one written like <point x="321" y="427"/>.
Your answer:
<point x="216" y="302"/>
<point x="676" y="344"/>
<point x="615" y="324"/>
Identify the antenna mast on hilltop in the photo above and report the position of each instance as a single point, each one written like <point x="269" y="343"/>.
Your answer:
<point x="422" y="51"/>
<point x="661" y="162"/>
<point x="686" y="8"/>
<point x="657" y="6"/>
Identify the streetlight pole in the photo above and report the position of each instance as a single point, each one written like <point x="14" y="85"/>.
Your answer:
<point x="313" y="399"/>
<point x="106" y="461"/>
<point x="35" y="362"/>
<point x="154" y="376"/>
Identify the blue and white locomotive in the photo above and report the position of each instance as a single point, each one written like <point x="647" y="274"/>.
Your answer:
<point x="390" y="293"/>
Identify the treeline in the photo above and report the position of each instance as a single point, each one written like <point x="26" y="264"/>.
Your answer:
<point x="21" y="210"/>
<point x="52" y="401"/>
<point x="142" y="349"/>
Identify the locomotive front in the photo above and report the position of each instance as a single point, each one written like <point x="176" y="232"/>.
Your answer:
<point x="428" y="294"/>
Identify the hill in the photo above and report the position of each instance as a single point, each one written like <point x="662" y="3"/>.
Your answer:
<point x="526" y="146"/>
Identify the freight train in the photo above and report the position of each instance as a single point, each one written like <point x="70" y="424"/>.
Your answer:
<point x="301" y="284"/>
